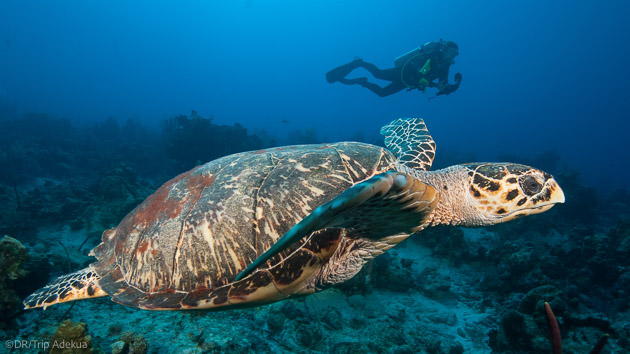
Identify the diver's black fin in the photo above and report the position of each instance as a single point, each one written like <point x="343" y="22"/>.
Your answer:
<point x="340" y="72"/>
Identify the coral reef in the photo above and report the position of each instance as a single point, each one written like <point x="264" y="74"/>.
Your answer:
<point x="71" y="337"/>
<point x="130" y="343"/>
<point x="195" y="140"/>
<point x="13" y="256"/>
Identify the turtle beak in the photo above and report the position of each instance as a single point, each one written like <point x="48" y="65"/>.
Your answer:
<point x="557" y="195"/>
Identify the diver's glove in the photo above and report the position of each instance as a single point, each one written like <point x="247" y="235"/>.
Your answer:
<point x="450" y="88"/>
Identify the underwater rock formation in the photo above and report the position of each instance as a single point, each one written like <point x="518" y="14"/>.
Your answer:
<point x="194" y="140"/>
<point x="525" y="328"/>
<point x="117" y="192"/>
<point x="130" y="343"/>
<point x="70" y="338"/>
<point x="13" y="256"/>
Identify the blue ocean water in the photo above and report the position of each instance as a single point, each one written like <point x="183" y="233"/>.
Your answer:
<point x="542" y="82"/>
<point x="537" y="76"/>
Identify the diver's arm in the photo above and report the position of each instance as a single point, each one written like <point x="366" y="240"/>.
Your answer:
<point x="443" y="76"/>
<point x="445" y="88"/>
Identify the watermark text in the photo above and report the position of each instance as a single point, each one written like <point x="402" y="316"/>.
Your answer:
<point x="42" y="344"/>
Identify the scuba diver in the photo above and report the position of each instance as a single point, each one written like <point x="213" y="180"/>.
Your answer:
<point x="417" y="69"/>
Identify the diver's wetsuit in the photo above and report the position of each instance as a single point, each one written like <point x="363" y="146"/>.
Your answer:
<point x="406" y="74"/>
<point x="392" y="75"/>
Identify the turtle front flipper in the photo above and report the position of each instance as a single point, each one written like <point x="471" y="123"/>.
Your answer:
<point x="74" y="286"/>
<point x="387" y="204"/>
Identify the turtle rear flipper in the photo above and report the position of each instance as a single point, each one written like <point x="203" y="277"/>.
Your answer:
<point x="74" y="286"/>
<point x="388" y="204"/>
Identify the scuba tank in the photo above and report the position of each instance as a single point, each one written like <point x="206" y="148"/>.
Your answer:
<point x="417" y="70"/>
<point x="402" y="59"/>
<point x="415" y="64"/>
<point x="428" y="48"/>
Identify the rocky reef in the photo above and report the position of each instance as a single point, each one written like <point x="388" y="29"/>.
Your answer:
<point x="13" y="256"/>
<point x="71" y="337"/>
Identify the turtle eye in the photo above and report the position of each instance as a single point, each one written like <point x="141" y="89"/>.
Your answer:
<point x="530" y="185"/>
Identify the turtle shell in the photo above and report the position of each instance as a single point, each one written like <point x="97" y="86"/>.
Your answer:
<point x="185" y="244"/>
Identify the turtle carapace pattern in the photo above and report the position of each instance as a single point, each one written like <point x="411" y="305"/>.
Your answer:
<point x="262" y="226"/>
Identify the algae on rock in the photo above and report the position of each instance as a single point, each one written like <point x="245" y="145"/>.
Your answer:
<point x="71" y="337"/>
<point x="13" y="255"/>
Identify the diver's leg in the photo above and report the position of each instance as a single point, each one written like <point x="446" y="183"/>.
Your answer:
<point x="358" y="81"/>
<point x="384" y="91"/>
<point x="392" y="74"/>
<point x="380" y="91"/>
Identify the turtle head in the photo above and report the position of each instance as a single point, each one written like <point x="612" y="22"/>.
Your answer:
<point x="500" y="192"/>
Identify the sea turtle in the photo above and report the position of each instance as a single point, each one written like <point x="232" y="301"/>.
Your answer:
<point x="292" y="221"/>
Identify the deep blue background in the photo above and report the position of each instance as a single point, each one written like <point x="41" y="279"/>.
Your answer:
<point x="537" y="75"/>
